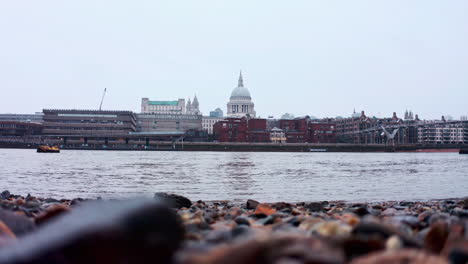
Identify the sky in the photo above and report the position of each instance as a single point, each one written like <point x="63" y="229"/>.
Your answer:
<point x="319" y="58"/>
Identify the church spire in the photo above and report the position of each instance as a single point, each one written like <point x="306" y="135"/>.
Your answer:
<point x="241" y="80"/>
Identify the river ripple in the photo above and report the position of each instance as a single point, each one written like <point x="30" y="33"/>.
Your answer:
<point x="263" y="176"/>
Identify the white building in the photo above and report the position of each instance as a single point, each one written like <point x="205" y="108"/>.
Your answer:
<point x="209" y="121"/>
<point x="240" y="103"/>
<point x="170" y="107"/>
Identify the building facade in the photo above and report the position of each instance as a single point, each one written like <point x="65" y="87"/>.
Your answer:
<point x="151" y="122"/>
<point x="177" y="107"/>
<point x="240" y="103"/>
<point x="208" y="123"/>
<point x="217" y="113"/>
<point x="307" y="130"/>
<point x="241" y="130"/>
<point x="25" y="118"/>
<point x="19" y="129"/>
<point x="362" y="129"/>
<point x="87" y="122"/>
<point x="443" y="132"/>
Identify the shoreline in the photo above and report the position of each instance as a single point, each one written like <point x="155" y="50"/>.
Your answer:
<point x="258" y="147"/>
<point x="194" y="232"/>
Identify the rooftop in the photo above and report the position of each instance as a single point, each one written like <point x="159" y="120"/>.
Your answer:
<point x="163" y="102"/>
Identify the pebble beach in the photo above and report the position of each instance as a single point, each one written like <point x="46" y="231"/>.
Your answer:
<point x="173" y="229"/>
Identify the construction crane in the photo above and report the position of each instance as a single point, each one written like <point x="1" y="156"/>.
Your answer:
<point x="102" y="99"/>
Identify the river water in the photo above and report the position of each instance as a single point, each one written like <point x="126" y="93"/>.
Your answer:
<point x="263" y="176"/>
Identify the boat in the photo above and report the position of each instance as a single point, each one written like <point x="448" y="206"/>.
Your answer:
<point x="48" y="149"/>
<point x="463" y="151"/>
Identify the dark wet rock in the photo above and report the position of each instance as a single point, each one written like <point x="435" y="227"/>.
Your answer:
<point x="241" y="220"/>
<point x="425" y="216"/>
<point x="251" y="204"/>
<point x="355" y="247"/>
<point x="76" y="201"/>
<point x="458" y="256"/>
<point x="173" y="200"/>
<point x="406" y="204"/>
<point x="294" y="221"/>
<point x="407" y="256"/>
<point x="5" y="194"/>
<point x="51" y="200"/>
<point x="275" y="249"/>
<point x="269" y="220"/>
<point x="240" y="230"/>
<point x="314" y="207"/>
<point x="435" y="238"/>
<point x="281" y="206"/>
<point x="219" y="236"/>
<point x="438" y="217"/>
<point x="463" y="213"/>
<point x="359" y="209"/>
<point x="32" y="204"/>
<point x="19" y="224"/>
<point x="411" y="221"/>
<point x="102" y="232"/>
<point x="370" y="230"/>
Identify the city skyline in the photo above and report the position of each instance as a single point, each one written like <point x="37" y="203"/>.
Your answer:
<point x="320" y="59"/>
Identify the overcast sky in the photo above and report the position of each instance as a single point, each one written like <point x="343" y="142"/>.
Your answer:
<point x="321" y="58"/>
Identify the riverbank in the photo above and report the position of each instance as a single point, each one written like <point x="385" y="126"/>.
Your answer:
<point x="142" y="231"/>
<point x="250" y="147"/>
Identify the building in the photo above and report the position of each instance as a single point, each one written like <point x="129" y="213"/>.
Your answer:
<point x="208" y="123"/>
<point x="307" y="130"/>
<point x="362" y="129"/>
<point x="26" y="118"/>
<point x="152" y="122"/>
<point x="19" y="129"/>
<point x="443" y="132"/>
<point x="162" y="107"/>
<point x="240" y="103"/>
<point x="241" y="130"/>
<point x="64" y="122"/>
<point x="217" y="113"/>
<point x="277" y="135"/>
<point x="177" y="107"/>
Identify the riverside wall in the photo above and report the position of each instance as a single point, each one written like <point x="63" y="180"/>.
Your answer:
<point x="256" y="147"/>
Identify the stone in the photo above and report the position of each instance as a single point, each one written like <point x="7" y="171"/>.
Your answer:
<point x="5" y="194"/>
<point x="132" y="231"/>
<point x="371" y="230"/>
<point x="435" y="238"/>
<point x="314" y="207"/>
<point x="251" y="204"/>
<point x="32" y="204"/>
<point x="51" y="200"/>
<point x="264" y="209"/>
<point x="407" y="256"/>
<point x="18" y="224"/>
<point x="241" y="220"/>
<point x="51" y="212"/>
<point x="173" y="200"/>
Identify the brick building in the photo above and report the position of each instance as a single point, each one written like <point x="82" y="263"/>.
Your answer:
<point x="306" y="130"/>
<point x="241" y="130"/>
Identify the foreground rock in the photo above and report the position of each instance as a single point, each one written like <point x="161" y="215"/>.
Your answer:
<point x="101" y="232"/>
<point x="87" y="231"/>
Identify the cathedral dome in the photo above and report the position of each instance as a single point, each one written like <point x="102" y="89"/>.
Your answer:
<point x="240" y="92"/>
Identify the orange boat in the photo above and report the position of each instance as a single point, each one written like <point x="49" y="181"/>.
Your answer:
<point x="48" y="149"/>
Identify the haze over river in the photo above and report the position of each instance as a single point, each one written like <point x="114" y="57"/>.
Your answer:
<point x="263" y="176"/>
